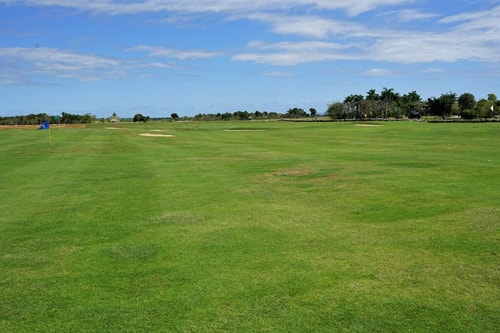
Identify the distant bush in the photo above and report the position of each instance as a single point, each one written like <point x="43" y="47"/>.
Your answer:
<point x="468" y="114"/>
<point x="140" y="118"/>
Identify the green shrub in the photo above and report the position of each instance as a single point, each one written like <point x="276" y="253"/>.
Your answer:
<point x="468" y="114"/>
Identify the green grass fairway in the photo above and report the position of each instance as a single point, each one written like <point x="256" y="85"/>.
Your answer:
<point x="251" y="227"/>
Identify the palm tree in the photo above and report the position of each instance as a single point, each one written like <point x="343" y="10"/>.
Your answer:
<point x="387" y="96"/>
<point x="372" y="95"/>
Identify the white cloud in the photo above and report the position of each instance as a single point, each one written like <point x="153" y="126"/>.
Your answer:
<point x="157" y="51"/>
<point x="479" y="16"/>
<point x="162" y="65"/>
<point x="378" y="72"/>
<point x="317" y="36"/>
<point x="308" y="25"/>
<point x="294" y="53"/>
<point x="407" y="15"/>
<point x="279" y="74"/>
<point x="218" y="6"/>
<point x="432" y="70"/>
<point x="475" y="38"/>
<point x="22" y="64"/>
<point x="481" y="26"/>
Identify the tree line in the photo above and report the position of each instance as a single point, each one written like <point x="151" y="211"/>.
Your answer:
<point x="292" y="113"/>
<point x="389" y="104"/>
<point x="238" y="115"/>
<point x="37" y="119"/>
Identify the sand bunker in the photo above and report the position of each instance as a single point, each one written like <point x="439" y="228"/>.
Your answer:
<point x="157" y="135"/>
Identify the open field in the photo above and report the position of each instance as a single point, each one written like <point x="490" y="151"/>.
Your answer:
<point x="251" y="227"/>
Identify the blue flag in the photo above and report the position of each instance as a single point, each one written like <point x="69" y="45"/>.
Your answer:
<point x="45" y="125"/>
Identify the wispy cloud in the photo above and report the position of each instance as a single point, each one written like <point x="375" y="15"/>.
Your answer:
<point x="432" y="70"/>
<point x="308" y="25"/>
<point x="279" y="74"/>
<point x="294" y="53"/>
<point x="157" y="51"/>
<point x="378" y="72"/>
<point x="323" y="34"/>
<point x="163" y="65"/>
<point x="22" y="64"/>
<point x="407" y="15"/>
<point x="115" y="7"/>
<point x="474" y="38"/>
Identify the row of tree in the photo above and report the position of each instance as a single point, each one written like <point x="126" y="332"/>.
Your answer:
<point x="384" y="105"/>
<point x="37" y="119"/>
<point x="390" y="104"/>
<point x="238" y="115"/>
<point x="292" y="113"/>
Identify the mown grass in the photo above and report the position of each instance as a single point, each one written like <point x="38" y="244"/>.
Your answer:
<point x="251" y="226"/>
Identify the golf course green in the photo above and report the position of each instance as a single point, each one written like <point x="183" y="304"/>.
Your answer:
<point x="251" y="226"/>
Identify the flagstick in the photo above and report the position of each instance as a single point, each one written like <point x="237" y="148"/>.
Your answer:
<point x="50" y="138"/>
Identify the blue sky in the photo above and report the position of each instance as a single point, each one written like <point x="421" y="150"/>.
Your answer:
<point x="157" y="57"/>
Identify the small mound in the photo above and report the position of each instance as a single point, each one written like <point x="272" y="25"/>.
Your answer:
<point x="157" y="135"/>
<point x="367" y="125"/>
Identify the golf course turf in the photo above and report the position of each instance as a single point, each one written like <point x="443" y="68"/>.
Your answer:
<point x="251" y="227"/>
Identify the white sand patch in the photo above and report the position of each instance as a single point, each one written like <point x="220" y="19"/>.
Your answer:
<point x="114" y="128"/>
<point x="157" y="135"/>
<point x="367" y="125"/>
